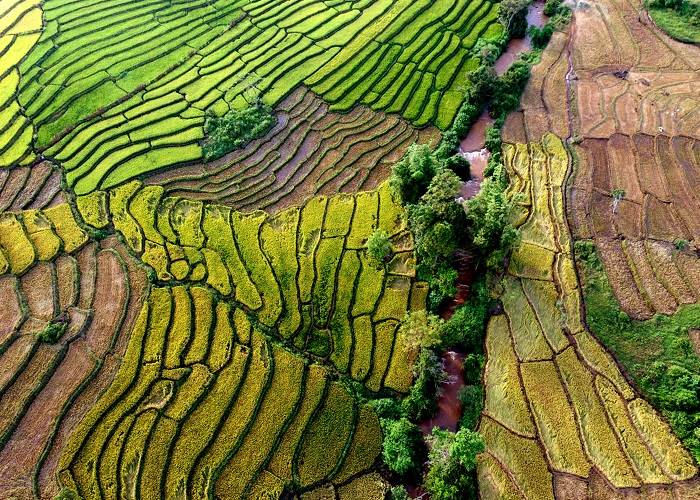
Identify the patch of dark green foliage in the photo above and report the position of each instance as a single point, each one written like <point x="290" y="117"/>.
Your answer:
<point x="657" y="353"/>
<point x="689" y="10"/>
<point x="559" y="15"/>
<point x="53" y="331"/>
<point x="235" y="129"/>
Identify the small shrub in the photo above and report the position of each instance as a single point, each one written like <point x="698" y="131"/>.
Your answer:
<point x="618" y="195"/>
<point x="681" y="244"/>
<point x="53" y="331"/>
<point x="235" y="129"/>
<point x="379" y="246"/>
<point x="399" y="493"/>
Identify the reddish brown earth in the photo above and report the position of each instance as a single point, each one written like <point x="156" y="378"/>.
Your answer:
<point x="98" y="292"/>
<point x="23" y="188"/>
<point x="310" y="151"/>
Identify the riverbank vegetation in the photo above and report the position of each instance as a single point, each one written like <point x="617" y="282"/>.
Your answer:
<point x="428" y="184"/>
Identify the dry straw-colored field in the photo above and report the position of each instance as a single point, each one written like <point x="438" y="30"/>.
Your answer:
<point x="628" y="96"/>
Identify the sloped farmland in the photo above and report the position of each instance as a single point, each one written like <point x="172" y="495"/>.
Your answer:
<point x="310" y="151"/>
<point x="560" y="419"/>
<point x="115" y="103"/>
<point x="636" y="113"/>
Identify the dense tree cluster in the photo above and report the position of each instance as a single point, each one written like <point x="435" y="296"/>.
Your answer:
<point x="235" y="129"/>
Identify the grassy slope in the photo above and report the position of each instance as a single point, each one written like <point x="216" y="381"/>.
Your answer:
<point x="656" y="353"/>
<point x="675" y="25"/>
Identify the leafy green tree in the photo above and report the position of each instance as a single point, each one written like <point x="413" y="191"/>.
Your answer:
<point x="379" y="246"/>
<point x="489" y="215"/>
<point x="452" y="461"/>
<point x="411" y="176"/>
<point x="488" y="51"/>
<point x="513" y="15"/>
<point x="420" y="329"/>
<point x="483" y="83"/>
<point x="235" y="129"/>
<point x="436" y="221"/>
<point x="401" y="448"/>
<point x="429" y="374"/>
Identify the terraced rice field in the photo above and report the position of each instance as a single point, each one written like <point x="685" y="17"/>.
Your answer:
<point x="311" y="150"/>
<point x="560" y="419"/>
<point x="303" y="273"/>
<point x="131" y="98"/>
<point x="633" y="110"/>
<point x="172" y="327"/>
<point x="651" y="114"/>
<point x="165" y="339"/>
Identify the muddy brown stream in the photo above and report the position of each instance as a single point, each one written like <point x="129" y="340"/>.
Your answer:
<point x="472" y="147"/>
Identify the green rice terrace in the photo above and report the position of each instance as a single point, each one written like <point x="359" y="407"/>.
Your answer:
<point x="349" y="250"/>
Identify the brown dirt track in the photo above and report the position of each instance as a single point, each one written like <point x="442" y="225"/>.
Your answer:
<point x="98" y="290"/>
<point x="633" y="114"/>
<point x="310" y="151"/>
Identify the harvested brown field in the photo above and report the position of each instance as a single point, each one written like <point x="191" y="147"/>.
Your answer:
<point x="310" y="151"/>
<point x="544" y="103"/>
<point x="633" y="118"/>
<point x="95" y="293"/>
<point x="23" y="188"/>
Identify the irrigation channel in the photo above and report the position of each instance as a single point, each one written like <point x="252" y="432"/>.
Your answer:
<point x="473" y="149"/>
